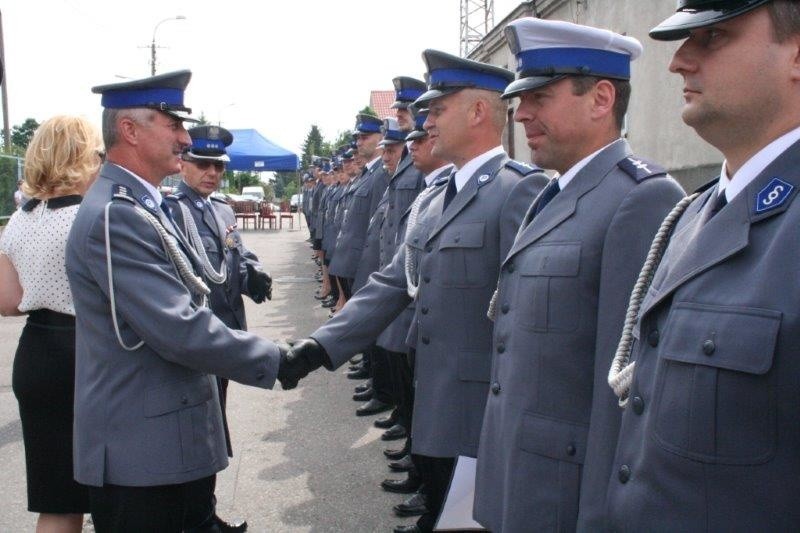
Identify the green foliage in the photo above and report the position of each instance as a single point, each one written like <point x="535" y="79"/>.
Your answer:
<point x="21" y="134"/>
<point x="368" y="111"/>
<point x="312" y="146"/>
<point x="237" y="180"/>
<point x="202" y="120"/>
<point x="285" y="185"/>
<point x="8" y="184"/>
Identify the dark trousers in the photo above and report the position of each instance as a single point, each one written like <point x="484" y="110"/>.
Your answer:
<point x="402" y="387"/>
<point x="381" y="372"/>
<point x="334" y="287"/>
<point x="435" y="473"/>
<point x="347" y="287"/>
<point x="159" y="509"/>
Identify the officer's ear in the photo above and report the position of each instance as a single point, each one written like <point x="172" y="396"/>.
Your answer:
<point x="604" y="95"/>
<point x="127" y="130"/>
<point x="794" y="41"/>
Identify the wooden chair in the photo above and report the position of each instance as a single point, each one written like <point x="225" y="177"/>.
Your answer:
<point x="285" y="213"/>
<point x="246" y="211"/>
<point x="266" y="213"/>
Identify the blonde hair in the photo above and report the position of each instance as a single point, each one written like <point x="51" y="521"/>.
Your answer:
<point x="62" y="155"/>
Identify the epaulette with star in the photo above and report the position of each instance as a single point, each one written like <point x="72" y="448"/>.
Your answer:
<point x="641" y="169"/>
<point x="523" y="169"/>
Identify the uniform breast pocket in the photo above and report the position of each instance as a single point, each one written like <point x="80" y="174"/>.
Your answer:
<point x="360" y="200"/>
<point x="462" y="262"/>
<point x="715" y="397"/>
<point x="547" y="292"/>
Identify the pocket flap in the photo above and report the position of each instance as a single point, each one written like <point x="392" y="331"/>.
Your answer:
<point x="177" y="395"/>
<point x="475" y="366"/>
<point x="734" y="338"/>
<point x="407" y="184"/>
<point x="417" y="237"/>
<point x="463" y="236"/>
<point x="552" y="259"/>
<point x="557" y="439"/>
<point x="363" y="190"/>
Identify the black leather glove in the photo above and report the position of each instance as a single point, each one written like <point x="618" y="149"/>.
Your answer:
<point x="259" y="284"/>
<point x="297" y="362"/>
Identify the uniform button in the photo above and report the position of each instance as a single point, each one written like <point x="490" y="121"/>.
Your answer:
<point x="571" y="450"/>
<point x="426" y="340"/>
<point x="429" y="248"/>
<point x="504" y="308"/>
<point x="495" y="388"/>
<point x="510" y="267"/>
<point x="457" y="239"/>
<point x="391" y="206"/>
<point x="652" y="338"/>
<point x="184" y="400"/>
<point x="709" y="347"/>
<point x="259" y="376"/>
<point x="416" y="240"/>
<point x="390" y="224"/>
<point x="624" y="473"/>
<point x="424" y="310"/>
<point x="426" y="279"/>
<point x="638" y="404"/>
<point x="501" y="348"/>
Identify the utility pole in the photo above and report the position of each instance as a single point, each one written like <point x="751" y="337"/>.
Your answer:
<point x="153" y="43"/>
<point x="3" y="90"/>
<point x="477" y="19"/>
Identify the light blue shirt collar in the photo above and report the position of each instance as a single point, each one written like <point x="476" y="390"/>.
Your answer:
<point x="464" y="173"/>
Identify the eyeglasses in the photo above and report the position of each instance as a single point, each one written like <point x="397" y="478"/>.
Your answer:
<point x="205" y="164"/>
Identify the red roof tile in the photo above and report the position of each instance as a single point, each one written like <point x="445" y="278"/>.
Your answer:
<point x="381" y="102"/>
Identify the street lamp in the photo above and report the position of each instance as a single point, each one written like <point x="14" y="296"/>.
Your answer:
<point x="153" y="43"/>
<point x="219" y="112"/>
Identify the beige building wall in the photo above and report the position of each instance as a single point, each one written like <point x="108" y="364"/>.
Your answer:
<point x="654" y="126"/>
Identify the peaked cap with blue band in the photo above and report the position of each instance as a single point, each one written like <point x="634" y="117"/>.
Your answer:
<point x="406" y="90"/>
<point x="691" y="14"/>
<point x="419" y="121"/>
<point x="549" y="50"/>
<point x="391" y="132"/>
<point x="163" y="93"/>
<point x="448" y="73"/>
<point x="209" y="142"/>
<point x="368" y="123"/>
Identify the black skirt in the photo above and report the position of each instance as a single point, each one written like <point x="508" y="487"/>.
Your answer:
<point x="43" y="380"/>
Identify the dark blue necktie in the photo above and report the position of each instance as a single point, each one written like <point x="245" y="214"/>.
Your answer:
<point x="165" y="209"/>
<point x="719" y="202"/>
<point x="548" y="194"/>
<point x="451" y="191"/>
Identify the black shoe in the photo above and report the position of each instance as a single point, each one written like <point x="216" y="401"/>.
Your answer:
<point x="400" y="486"/>
<point x="385" y="422"/>
<point x="413" y="506"/>
<point x="320" y="297"/>
<point x="412" y="528"/>
<point x="353" y="368"/>
<point x="363" y="396"/>
<point x="363" y="386"/>
<point x="402" y="465"/>
<point x="330" y="302"/>
<point x="229" y="527"/>
<point x="356" y="359"/>
<point x="358" y="374"/>
<point x="396" y="454"/>
<point x="372" y="407"/>
<point x="396" y="432"/>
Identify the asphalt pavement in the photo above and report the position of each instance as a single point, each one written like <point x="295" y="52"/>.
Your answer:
<point x="303" y="462"/>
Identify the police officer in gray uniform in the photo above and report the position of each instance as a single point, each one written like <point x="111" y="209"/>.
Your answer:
<point x="458" y="240"/>
<point x="710" y="439"/>
<point x="209" y="226"/>
<point x="564" y="286"/>
<point x="148" y="427"/>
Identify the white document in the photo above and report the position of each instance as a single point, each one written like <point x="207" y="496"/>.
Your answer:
<point x="457" y="509"/>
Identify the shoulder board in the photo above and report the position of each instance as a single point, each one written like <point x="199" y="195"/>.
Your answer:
<point x="521" y="168"/>
<point x="641" y="169"/>
<point x="174" y="197"/>
<point x="706" y="186"/>
<point x="121" y="192"/>
<point x="220" y="200"/>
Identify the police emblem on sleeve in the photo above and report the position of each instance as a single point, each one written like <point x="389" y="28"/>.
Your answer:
<point x="773" y="195"/>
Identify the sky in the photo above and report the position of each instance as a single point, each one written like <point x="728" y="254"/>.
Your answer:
<point x="276" y="66"/>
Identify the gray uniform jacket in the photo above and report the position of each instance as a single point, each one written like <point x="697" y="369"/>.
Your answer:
<point x="459" y="254"/>
<point x="710" y="439"/>
<point x="320" y="210"/>
<point x="394" y="337"/>
<point x="562" y="295"/>
<point x="330" y="229"/>
<point x="225" y="299"/>
<point x="149" y="416"/>
<point x="362" y="201"/>
<point x="403" y="187"/>
<point x="371" y="252"/>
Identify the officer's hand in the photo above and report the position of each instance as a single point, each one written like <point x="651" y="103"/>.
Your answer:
<point x="297" y="362"/>
<point x="259" y="284"/>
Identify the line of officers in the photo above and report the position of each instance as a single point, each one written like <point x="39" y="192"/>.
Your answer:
<point x="490" y="299"/>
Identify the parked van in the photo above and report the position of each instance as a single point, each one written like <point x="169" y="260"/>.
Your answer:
<point x="255" y="192"/>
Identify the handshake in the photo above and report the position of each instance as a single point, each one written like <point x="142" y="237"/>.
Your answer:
<point x="297" y="361"/>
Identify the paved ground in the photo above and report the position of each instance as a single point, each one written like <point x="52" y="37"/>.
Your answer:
<point x="302" y="460"/>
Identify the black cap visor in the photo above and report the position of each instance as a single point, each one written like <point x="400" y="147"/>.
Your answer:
<point x="681" y="23"/>
<point x="516" y="87"/>
<point x="416" y="134"/>
<point x="432" y="94"/>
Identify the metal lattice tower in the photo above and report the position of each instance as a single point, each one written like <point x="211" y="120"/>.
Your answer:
<point x="477" y="18"/>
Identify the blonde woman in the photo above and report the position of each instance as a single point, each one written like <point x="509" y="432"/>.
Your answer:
<point x="61" y="162"/>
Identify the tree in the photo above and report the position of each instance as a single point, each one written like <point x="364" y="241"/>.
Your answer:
<point x="368" y="111"/>
<point x="313" y="146"/>
<point x="21" y="134"/>
<point x="202" y="120"/>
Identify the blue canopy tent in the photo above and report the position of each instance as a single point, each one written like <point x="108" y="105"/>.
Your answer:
<point x="252" y="151"/>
